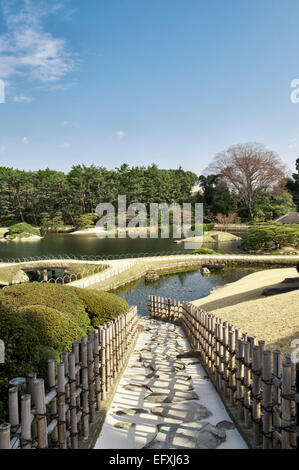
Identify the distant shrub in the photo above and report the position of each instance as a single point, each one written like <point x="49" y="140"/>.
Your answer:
<point x="204" y="251"/>
<point x="204" y="227"/>
<point x="22" y="230"/>
<point x="267" y="236"/>
<point x="85" y="221"/>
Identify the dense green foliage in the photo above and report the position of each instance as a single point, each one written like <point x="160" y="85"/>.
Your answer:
<point x="100" y="312"/>
<point x="271" y="206"/>
<point x="54" y="224"/>
<point x="37" y="196"/>
<point x="293" y="185"/>
<point x="52" y="199"/>
<point x="204" y="251"/>
<point x="85" y="221"/>
<point x="272" y="236"/>
<point x="22" y="230"/>
<point x="54" y="296"/>
<point x="39" y="321"/>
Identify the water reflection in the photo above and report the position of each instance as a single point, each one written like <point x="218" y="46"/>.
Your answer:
<point x="65" y="243"/>
<point x="187" y="286"/>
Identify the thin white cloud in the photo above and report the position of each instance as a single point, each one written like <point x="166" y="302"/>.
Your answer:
<point x="27" y="48"/>
<point x="2" y="149"/>
<point x="25" y="141"/>
<point x="67" y="124"/>
<point x="120" y="134"/>
<point x="293" y="143"/>
<point x="65" y="145"/>
<point x="21" y="98"/>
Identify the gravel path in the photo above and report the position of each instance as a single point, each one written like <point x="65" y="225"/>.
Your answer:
<point x="163" y="402"/>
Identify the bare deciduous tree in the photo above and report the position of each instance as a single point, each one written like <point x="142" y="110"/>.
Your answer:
<point x="248" y="169"/>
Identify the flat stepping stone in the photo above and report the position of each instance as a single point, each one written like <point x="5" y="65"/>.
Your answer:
<point x="225" y="425"/>
<point x="163" y="385"/>
<point x="179" y="365"/>
<point x="179" y="375"/>
<point x="182" y="412"/>
<point x="124" y="425"/>
<point x="133" y="387"/>
<point x="131" y="411"/>
<point x="172" y="396"/>
<point x="188" y="354"/>
<point x="187" y="436"/>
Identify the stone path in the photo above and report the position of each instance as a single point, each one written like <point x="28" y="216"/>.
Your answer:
<point x="163" y="402"/>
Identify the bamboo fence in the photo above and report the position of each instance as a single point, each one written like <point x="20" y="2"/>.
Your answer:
<point x="259" y="389"/>
<point x="78" y="385"/>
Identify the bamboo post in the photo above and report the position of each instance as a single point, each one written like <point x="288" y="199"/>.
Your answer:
<point x="5" y="436"/>
<point x="31" y="379"/>
<point x="246" y="384"/>
<point x="39" y="395"/>
<point x="61" y="405"/>
<point x="256" y="393"/>
<point x="225" y="359"/>
<point x="108" y="354"/>
<point x="84" y="373"/>
<point x="65" y="358"/>
<point x="293" y="436"/>
<point x="286" y="417"/>
<point x="276" y="398"/>
<point x="239" y="377"/>
<point x="96" y="356"/>
<point x="267" y="400"/>
<point x="113" y="330"/>
<point x="91" y="382"/>
<point x="13" y="408"/>
<point x="73" y="400"/>
<point x="26" y="422"/>
<point x="53" y="405"/>
<point x="232" y="375"/>
<point x="76" y="351"/>
<point x="103" y="362"/>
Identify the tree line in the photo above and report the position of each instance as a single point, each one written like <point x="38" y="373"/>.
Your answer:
<point x="33" y="196"/>
<point x="247" y="181"/>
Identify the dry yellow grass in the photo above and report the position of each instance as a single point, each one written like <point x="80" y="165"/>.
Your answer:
<point x="274" y="319"/>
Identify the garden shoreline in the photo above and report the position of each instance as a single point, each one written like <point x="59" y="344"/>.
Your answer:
<point x="274" y="319"/>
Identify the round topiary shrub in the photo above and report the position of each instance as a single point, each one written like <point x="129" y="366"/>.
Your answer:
<point x="21" y="343"/>
<point x="204" y="251"/>
<point x="101" y="306"/>
<point x="22" y="230"/>
<point x="55" y="329"/>
<point x="61" y="298"/>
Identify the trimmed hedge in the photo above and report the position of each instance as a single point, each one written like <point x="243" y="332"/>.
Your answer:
<point x="38" y="321"/>
<point x="22" y="230"/>
<point x="101" y="306"/>
<point x="55" y="296"/>
<point x="55" y="329"/>
<point x="204" y="251"/>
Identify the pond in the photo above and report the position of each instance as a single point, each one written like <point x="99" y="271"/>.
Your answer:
<point x="91" y="245"/>
<point x="188" y="286"/>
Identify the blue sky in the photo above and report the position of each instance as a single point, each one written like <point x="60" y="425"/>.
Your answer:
<point x="141" y="81"/>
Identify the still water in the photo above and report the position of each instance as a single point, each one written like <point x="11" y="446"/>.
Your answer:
<point x="186" y="286"/>
<point x="91" y="245"/>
